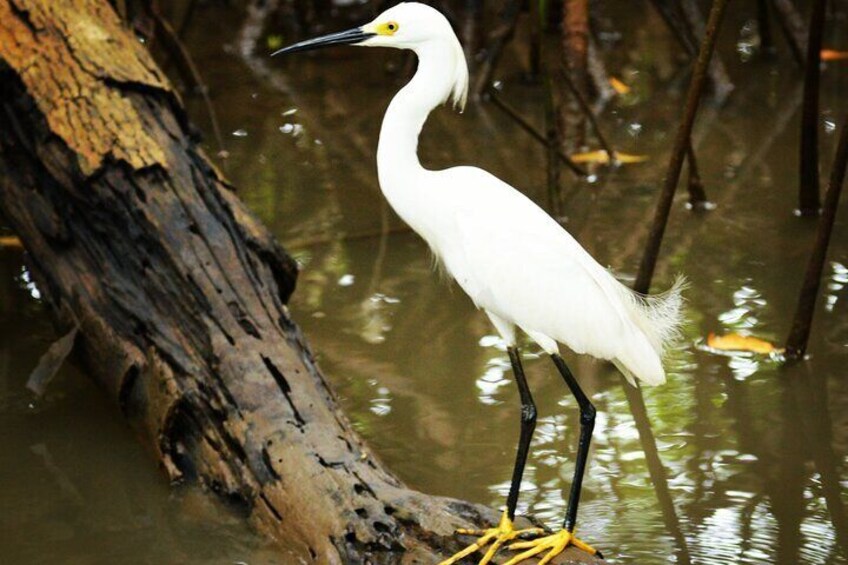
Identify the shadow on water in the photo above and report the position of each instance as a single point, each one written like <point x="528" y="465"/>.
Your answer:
<point x="750" y="461"/>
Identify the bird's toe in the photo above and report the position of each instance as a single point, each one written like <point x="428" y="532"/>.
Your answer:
<point x="493" y="538"/>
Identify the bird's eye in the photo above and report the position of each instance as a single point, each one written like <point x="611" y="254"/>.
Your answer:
<point x="389" y="28"/>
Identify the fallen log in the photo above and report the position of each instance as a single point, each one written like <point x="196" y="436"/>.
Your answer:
<point x="178" y="296"/>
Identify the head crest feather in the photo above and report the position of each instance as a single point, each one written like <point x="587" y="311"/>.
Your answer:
<point x="459" y="92"/>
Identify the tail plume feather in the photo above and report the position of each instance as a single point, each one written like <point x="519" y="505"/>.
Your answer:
<point x="658" y="318"/>
<point x="661" y="315"/>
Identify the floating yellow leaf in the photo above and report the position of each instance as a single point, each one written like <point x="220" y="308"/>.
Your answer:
<point x="832" y="55"/>
<point x="10" y="241"/>
<point x="602" y="158"/>
<point x="736" y="342"/>
<point x="619" y="86"/>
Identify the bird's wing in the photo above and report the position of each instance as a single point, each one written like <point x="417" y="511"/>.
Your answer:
<point x="514" y="260"/>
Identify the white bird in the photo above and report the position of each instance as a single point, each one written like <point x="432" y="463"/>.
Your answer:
<point x="513" y="260"/>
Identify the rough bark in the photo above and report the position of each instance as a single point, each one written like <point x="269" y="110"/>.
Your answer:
<point x="180" y="295"/>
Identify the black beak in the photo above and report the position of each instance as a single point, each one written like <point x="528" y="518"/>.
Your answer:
<point x="349" y="37"/>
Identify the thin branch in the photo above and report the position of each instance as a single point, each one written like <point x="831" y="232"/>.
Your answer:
<point x="681" y="142"/>
<point x="498" y="39"/>
<point x="808" y="188"/>
<point x="185" y="63"/>
<point x="717" y="72"/>
<point x="764" y="29"/>
<point x="670" y="13"/>
<point x="472" y="27"/>
<point x="686" y="23"/>
<point x="792" y="25"/>
<point x="534" y="133"/>
<point x="587" y="111"/>
<point x="187" y="19"/>
<point x="552" y="140"/>
<point x="796" y="343"/>
<point x="598" y="74"/>
<point x="697" y="194"/>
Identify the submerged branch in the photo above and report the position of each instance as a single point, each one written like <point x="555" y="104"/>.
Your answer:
<point x="796" y="343"/>
<point x="808" y="189"/>
<point x="678" y="153"/>
<point x="697" y="194"/>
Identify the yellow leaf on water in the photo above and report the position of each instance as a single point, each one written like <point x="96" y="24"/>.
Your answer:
<point x="602" y="158"/>
<point x="627" y="158"/>
<point x="11" y="242"/>
<point x="833" y="55"/>
<point x="736" y="342"/>
<point x="619" y="86"/>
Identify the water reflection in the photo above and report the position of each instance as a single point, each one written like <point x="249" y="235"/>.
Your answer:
<point x="838" y="280"/>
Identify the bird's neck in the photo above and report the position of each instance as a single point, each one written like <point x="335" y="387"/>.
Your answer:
<point x="397" y="152"/>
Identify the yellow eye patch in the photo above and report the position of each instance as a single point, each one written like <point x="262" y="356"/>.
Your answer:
<point x="388" y="28"/>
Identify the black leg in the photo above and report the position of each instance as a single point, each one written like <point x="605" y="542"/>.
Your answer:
<point x="528" y="424"/>
<point x="587" y="424"/>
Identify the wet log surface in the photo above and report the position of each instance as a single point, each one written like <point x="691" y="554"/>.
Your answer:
<point x="179" y="295"/>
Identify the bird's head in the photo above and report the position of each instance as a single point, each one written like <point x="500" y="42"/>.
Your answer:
<point x="409" y="25"/>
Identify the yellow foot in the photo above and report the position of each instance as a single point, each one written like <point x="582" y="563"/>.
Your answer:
<point x="505" y="532"/>
<point x="554" y="544"/>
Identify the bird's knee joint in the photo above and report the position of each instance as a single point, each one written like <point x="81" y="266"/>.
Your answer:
<point x="528" y="413"/>
<point x="587" y="415"/>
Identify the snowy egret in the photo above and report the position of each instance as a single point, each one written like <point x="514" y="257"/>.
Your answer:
<point x="516" y="263"/>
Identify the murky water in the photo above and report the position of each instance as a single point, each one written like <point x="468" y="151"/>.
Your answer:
<point x="755" y="456"/>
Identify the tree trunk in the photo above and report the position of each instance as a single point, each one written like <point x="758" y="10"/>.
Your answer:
<point x="180" y="295"/>
<point x="575" y="53"/>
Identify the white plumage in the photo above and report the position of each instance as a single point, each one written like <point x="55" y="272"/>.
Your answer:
<point x="514" y="261"/>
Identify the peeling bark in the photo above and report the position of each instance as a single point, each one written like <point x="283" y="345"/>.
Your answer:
<point x="180" y="295"/>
